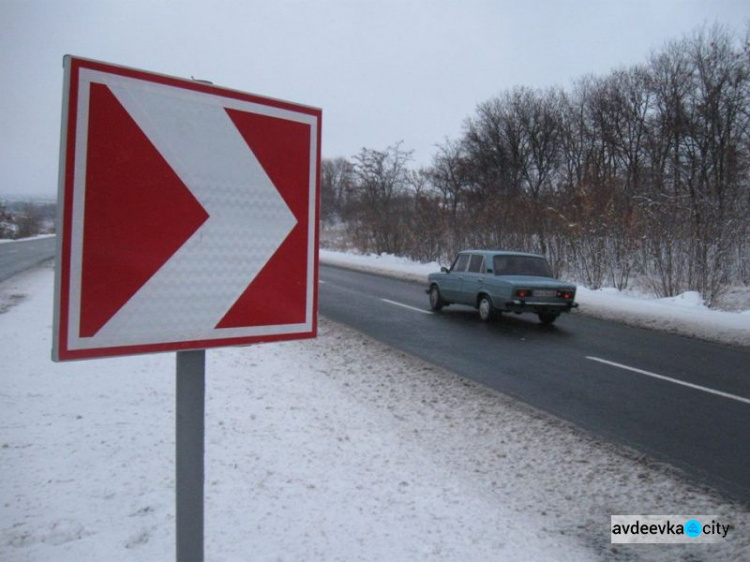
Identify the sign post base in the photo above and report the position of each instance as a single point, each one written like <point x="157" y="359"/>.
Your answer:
<point x="190" y="410"/>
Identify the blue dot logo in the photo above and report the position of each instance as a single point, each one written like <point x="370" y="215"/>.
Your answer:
<point x="693" y="528"/>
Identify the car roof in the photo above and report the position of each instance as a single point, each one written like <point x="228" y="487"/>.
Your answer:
<point x="501" y="253"/>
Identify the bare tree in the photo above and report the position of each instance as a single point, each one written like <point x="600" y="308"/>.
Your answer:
<point x="336" y="184"/>
<point x="7" y="223"/>
<point x="29" y="221"/>
<point x="381" y="183"/>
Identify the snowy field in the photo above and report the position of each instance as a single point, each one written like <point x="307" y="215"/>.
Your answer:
<point x="685" y="314"/>
<point x="330" y="449"/>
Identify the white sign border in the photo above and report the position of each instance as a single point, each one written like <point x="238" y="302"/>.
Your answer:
<point x="86" y="78"/>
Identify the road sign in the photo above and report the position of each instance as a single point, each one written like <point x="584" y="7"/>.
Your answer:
<point x="188" y="215"/>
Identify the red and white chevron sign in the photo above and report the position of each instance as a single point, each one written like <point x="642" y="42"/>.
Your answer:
<point x="189" y="215"/>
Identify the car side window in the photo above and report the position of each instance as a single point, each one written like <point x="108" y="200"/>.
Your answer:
<point x="475" y="264"/>
<point x="460" y="264"/>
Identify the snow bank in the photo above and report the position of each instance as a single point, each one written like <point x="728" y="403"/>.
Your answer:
<point x="384" y="264"/>
<point x="330" y="449"/>
<point x="685" y="315"/>
<point x="37" y="237"/>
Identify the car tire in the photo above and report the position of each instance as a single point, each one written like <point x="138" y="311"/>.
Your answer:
<point x="547" y="318"/>
<point x="487" y="312"/>
<point x="436" y="301"/>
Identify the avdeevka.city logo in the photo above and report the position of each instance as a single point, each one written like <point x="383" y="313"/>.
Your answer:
<point x="652" y="529"/>
<point x="693" y="528"/>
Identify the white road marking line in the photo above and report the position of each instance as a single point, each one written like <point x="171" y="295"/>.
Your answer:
<point x="321" y="282"/>
<point x="406" y="306"/>
<point x="675" y="381"/>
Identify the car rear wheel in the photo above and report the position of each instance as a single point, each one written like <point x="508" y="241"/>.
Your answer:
<point x="486" y="310"/>
<point x="547" y="318"/>
<point x="436" y="301"/>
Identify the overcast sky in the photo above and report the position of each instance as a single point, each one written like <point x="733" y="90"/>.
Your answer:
<point x="382" y="71"/>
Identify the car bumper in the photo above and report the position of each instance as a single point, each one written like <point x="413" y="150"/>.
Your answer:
<point x="521" y="305"/>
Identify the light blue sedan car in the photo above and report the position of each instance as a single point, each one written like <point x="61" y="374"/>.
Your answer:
<point x="495" y="282"/>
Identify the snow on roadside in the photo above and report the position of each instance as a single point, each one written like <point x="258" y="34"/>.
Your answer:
<point x="385" y="264"/>
<point x="337" y="448"/>
<point x="37" y="237"/>
<point x="685" y="315"/>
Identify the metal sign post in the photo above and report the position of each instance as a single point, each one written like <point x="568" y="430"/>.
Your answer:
<point x="190" y="410"/>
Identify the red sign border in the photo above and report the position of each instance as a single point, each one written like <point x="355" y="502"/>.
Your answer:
<point x="60" y="351"/>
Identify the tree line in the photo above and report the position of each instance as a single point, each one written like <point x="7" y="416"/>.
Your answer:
<point x="25" y="219"/>
<point x="640" y="174"/>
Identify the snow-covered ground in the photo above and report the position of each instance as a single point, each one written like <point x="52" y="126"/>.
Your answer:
<point x="330" y="449"/>
<point x="685" y="314"/>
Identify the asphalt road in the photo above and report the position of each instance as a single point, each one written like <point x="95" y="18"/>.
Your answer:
<point x="679" y="400"/>
<point x="20" y="255"/>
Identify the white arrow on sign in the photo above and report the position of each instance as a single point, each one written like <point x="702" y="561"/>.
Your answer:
<point x="248" y="220"/>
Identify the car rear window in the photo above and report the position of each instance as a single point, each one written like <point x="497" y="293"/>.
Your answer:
<point x="521" y="265"/>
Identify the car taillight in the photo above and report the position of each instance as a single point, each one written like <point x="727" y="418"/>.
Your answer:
<point x="523" y="293"/>
<point x="565" y="294"/>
